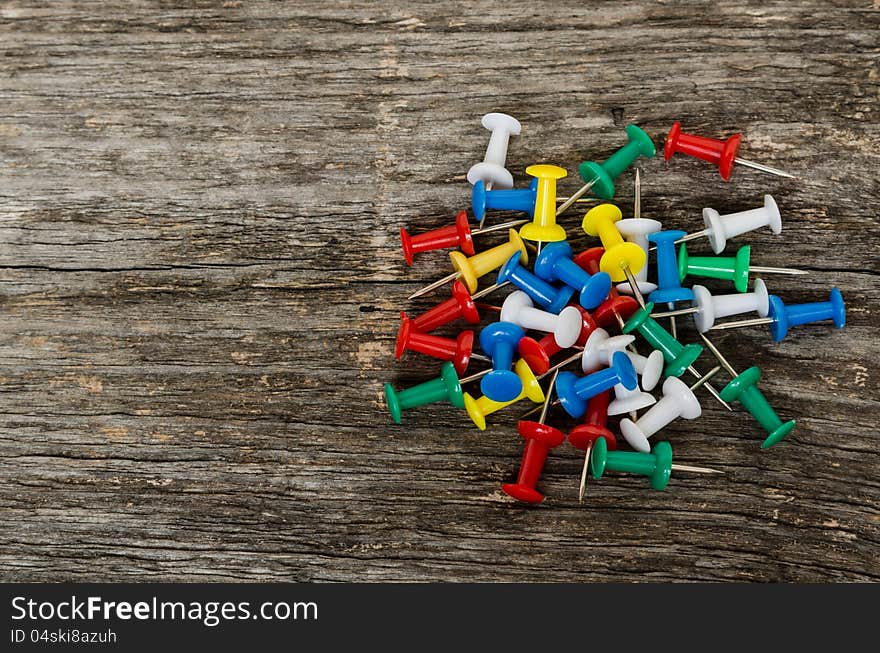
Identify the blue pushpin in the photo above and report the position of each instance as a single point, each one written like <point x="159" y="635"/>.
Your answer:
<point x="668" y="281"/>
<point x="555" y="263"/>
<point x="545" y="295"/>
<point x="517" y="199"/>
<point x="781" y="317"/>
<point x="574" y="391"/>
<point x="499" y="340"/>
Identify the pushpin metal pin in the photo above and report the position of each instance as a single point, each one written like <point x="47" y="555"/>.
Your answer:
<point x="471" y="269"/>
<point x="593" y="427"/>
<point x="720" y="152"/>
<point x="540" y="438"/>
<point x="744" y="389"/>
<point x="636" y="230"/>
<point x="478" y="409"/>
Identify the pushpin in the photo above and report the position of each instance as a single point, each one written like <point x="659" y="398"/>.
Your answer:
<point x="459" y="351"/>
<point x="479" y="408"/>
<point x="720" y="228"/>
<point x="471" y="269"/>
<point x="458" y="235"/>
<point x="617" y="307"/>
<point x="565" y="327"/>
<point x="599" y="351"/>
<point x="679" y="358"/>
<point x="543" y="227"/>
<point x="781" y="317"/>
<point x="621" y="259"/>
<point x="744" y="389"/>
<point x="492" y="171"/>
<point x="574" y="391"/>
<point x="445" y="387"/>
<point x="710" y="307"/>
<point x="656" y="465"/>
<point x="499" y="341"/>
<point x="636" y="230"/>
<point x="460" y="305"/>
<point x="599" y="177"/>
<point x="593" y="427"/>
<point x="539" y="438"/>
<point x="555" y="263"/>
<point x="550" y="298"/>
<point x="731" y="268"/>
<point x="516" y="199"/>
<point x="678" y="401"/>
<point x="539" y="352"/>
<point x="713" y="150"/>
<point x="669" y="288"/>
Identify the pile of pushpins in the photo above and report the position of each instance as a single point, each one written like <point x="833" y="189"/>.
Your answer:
<point x="595" y="309"/>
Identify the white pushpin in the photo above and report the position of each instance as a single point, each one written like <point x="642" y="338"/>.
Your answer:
<point x="678" y="401"/>
<point x="565" y="327"/>
<point x="710" y="307"/>
<point x="636" y="230"/>
<point x="492" y="171"/>
<point x="598" y="351"/>
<point x="719" y="228"/>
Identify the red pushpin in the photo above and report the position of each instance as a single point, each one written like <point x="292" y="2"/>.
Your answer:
<point x="617" y="308"/>
<point x="540" y="439"/>
<point x="458" y="234"/>
<point x="720" y="152"/>
<point x="460" y="305"/>
<point x="594" y="427"/>
<point x="537" y="353"/>
<point x="459" y="350"/>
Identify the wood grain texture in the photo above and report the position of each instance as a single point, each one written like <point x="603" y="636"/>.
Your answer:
<point x="201" y="277"/>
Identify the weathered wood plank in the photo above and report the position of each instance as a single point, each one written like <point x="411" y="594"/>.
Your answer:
<point x="200" y="282"/>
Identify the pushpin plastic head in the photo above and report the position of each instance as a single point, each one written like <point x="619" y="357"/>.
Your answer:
<point x="678" y="401"/>
<point x="607" y="312"/>
<point x="499" y="341"/>
<point x="744" y="388"/>
<point x="657" y="465"/>
<point x="721" y="227"/>
<point x="555" y="263"/>
<point x="604" y="174"/>
<point x="594" y="427"/>
<point x="619" y="254"/>
<point x="732" y="268"/>
<point x="478" y="409"/>
<point x="457" y="351"/>
<point x="550" y="298"/>
<point x="574" y="392"/>
<point x="566" y="327"/>
<point x="471" y="269"/>
<point x="540" y="438"/>
<point x="543" y="227"/>
<point x="444" y="387"/>
<point x="492" y="169"/>
<point x="517" y="199"/>
<point x="668" y="282"/>
<point x="457" y="234"/>
<point x="785" y="317"/>
<point x="678" y="357"/>
<point x="721" y="153"/>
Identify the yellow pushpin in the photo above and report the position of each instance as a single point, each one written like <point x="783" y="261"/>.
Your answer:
<point x="543" y="227"/>
<point x="470" y="269"/>
<point x="477" y="409"/>
<point x="620" y="256"/>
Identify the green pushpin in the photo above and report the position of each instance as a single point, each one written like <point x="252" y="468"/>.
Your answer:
<point x="678" y="357"/>
<point x="600" y="176"/>
<point x="731" y="268"/>
<point x="744" y="389"/>
<point x="445" y="387"/>
<point x="656" y="465"/>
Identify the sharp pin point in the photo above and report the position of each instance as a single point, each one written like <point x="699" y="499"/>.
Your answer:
<point x="582" y="488"/>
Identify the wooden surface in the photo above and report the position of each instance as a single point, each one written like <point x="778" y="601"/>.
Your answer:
<point x="201" y="279"/>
